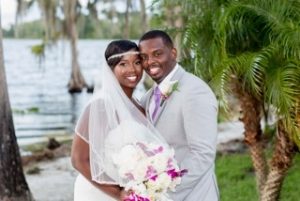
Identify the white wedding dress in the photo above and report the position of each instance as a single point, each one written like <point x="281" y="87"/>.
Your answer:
<point x="85" y="191"/>
<point x="125" y="133"/>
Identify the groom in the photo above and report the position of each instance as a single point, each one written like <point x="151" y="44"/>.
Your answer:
<point x="184" y="109"/>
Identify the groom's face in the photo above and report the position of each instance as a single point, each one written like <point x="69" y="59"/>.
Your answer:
<point x="158" y="59"/>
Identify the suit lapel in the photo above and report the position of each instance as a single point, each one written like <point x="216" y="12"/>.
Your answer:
<point x="148" y="104"/>
<point x="177" y="76"/>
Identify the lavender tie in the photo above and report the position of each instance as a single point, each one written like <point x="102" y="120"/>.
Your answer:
<point x="157" y="95"/>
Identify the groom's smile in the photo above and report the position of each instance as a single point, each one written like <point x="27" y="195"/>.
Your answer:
<point x="158" y="59"/>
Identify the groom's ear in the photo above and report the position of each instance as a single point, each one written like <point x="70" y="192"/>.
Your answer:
<point x="174" y="53"/>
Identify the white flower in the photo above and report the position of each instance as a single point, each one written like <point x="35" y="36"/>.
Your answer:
<point x="167" y="88"/>
<point x="140" y="170"/>
<point x="127" y="159"/>
<point x="163" y="181"/>
<point x="145" y="168"/>
<point x="176" y="181"/>
<point x="160" y="162"/>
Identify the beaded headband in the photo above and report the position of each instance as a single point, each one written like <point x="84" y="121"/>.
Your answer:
<point x="122" y="54"/>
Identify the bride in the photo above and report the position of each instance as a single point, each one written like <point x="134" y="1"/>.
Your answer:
<point x="110" y="120"/>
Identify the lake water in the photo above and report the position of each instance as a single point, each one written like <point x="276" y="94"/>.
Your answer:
<point x="38" y="91"/>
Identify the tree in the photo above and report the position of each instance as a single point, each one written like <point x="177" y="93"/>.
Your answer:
<point x="144" y="22"/>
<point x="251" y="49"/>
<point x="126" y="28"/>
<point x="55" y="27"/>
<point x="260" y="51"/>
<point x="13" y="186"/>
<point x="77" y="82"/>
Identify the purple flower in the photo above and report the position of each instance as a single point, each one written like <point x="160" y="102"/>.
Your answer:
<point x="158" y="150"/>
<point x="170" y="163"/>
<point x="150" y="172"/>
<point x="173" y="174"/>
<point x="145" y="149"/>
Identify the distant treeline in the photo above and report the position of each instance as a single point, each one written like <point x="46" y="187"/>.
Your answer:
<point x="87" y="27"/>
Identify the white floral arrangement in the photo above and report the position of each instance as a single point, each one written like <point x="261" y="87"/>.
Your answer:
<point x="167" y="88"/>
<point x="150" y="171"/>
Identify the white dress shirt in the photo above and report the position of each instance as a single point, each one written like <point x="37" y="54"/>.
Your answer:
<point x="164" y="82"/>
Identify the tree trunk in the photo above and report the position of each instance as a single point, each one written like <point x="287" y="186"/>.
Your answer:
<point x="251" y="109"/>
<point x="48" y="9"/>
<point x="178" y="21"/>
<point x="77" y="82"/>
<point x="282" y="159"/>
<point x="174" y="19"/>
<point x="126" y="29"/>
<point x="144" y="22"/>
<point x="16" y="29"/>
<point x="13" y="185"/>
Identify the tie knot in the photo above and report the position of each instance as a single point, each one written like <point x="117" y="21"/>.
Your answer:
<point x="157" y="91"/>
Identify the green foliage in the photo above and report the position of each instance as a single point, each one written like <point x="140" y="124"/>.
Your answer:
<point x="8" y="33"/>
<point x="38" y="50"/>
<point x="87" y="26"/>
<point x="32" y="29"/>
<point x="254" y="43"/>
<point x="26" y="111"/>
<point x="236" y="179"/>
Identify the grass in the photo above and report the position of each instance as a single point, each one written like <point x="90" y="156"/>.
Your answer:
<point x="236" y="179"/>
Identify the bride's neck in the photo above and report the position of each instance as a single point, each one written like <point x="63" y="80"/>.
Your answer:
<point x="128" y="92"/>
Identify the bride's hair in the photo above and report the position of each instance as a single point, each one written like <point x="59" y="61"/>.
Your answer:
<point x="118" y="47"/>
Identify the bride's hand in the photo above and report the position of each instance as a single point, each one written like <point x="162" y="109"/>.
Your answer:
<point x="123" y="195"/>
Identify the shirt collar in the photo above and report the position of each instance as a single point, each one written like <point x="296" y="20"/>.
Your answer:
<point x="168" y="77"/>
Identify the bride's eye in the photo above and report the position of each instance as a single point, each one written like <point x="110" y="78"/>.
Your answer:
<point x="123" y="64"/>
<point x="138" y="62"/>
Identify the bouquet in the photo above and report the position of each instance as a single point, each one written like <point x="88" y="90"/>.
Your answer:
<point x="149" y="171"/>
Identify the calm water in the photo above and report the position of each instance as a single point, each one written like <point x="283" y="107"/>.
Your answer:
<point x="38" y="92"/>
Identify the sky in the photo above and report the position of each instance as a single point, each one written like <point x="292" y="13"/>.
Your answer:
<point x="8" y="11"/>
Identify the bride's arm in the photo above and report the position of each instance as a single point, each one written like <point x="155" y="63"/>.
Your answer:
<point x="81" y="162"/>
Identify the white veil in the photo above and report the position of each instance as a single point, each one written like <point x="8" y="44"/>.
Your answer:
<point x="109" y="121"/>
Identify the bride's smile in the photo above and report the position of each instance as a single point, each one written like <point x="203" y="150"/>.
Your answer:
<point x="128" y="71"/>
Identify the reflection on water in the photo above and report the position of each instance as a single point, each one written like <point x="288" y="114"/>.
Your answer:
<point x="38" y="93"/>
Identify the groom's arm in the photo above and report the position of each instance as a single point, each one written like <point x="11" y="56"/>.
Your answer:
<point x="200" y="125"/>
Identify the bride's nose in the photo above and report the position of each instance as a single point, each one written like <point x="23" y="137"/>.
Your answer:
<point x="131" y="68"/>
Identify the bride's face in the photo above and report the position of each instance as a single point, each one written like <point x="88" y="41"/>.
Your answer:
<point x="129" y="71"/>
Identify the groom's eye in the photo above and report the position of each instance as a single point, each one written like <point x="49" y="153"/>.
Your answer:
<point x="157" y="53"/>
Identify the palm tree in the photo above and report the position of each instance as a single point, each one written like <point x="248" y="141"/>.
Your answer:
<point x="13" y="185"/>
<point x="260" y="69"/>
<point x="251" y="49"/>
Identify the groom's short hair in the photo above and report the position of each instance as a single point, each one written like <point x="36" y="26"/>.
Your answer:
<point x="158" y="34"/>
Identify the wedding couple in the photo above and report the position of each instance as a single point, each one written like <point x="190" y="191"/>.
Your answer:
<point x="180" y="110"/>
